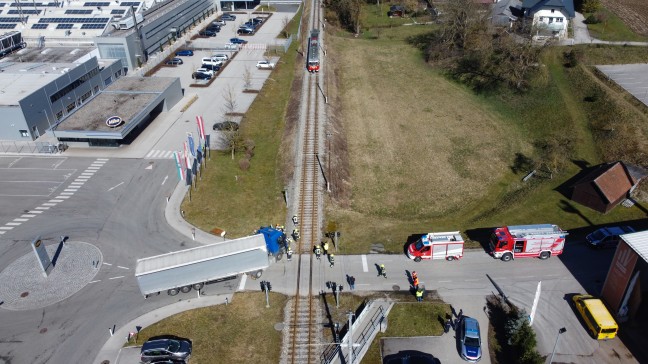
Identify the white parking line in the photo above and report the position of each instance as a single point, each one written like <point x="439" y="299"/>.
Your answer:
<point x="62" y="196"/>
<point x="95" y="281"/>
<point x="55" y="201"/>
<point x="78" y="183"/>
<point x="22" y="220"/>
<point x="48" y="204"/>
<point x="107" y="263"/>
<point x="6" y="227"/>
<point x="117" y="277"/>
<point x="13" y="223"/>
<point x="27" y="215"/>
<point x="365" y="267"/>
<point x="43" y="208"/>
<point x="35" y="212"/>
<point x="119" y="266"/>
<point x="93" y="167"/>
<point x="67" y="193"/>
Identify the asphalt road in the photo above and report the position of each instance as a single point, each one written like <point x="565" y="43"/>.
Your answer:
<point x="119" y="210"/>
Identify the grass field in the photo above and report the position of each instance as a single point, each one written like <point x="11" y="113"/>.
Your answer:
<point x="241" y="332"/>
<point x="613" y="29"/>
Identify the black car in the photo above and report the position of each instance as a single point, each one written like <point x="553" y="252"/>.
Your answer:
<point x="211" y="66"/>
<point x="184" y="52"/>
<point x="207" y="33"/>
<point x="201" y="76"/>
<point x="246" y="31"/>
<point x="214" y="28"/>
<point x="174" y="61"/>
<point x="238" y="41"/>
<point x="257" y="20"/>
<point x="226" y="126"/>
<point x="228" y="17"/>
<point x="250" y="24"/>
<point x="164" y="349"/>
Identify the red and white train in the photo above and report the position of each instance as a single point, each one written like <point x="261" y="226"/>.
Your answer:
<point x="313" y="62"/>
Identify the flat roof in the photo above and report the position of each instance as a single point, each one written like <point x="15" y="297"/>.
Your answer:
<point x="631" y="77"/>
<point x="18" y="80"/>
<point x="49" y="54"/>
<point x="638" y="242"/>
<point x="125" y="98"/>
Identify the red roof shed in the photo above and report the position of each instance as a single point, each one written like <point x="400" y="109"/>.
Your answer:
<point x="604" y="187"/>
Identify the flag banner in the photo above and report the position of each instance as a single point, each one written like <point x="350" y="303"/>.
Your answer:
<point x="187" y="157"/>
<point x="199" y="156"/>
<point x="207" y="137"/>
<point x="201" y="127"/>
<point x="179" y="165"/>
<point x="192" y="146"/>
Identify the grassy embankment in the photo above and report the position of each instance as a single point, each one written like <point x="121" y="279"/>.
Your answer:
<point x="612" y="28"/>
<point x="427" y="154"/>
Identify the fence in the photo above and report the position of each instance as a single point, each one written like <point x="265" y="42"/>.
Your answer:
<point x="19" y="147"/>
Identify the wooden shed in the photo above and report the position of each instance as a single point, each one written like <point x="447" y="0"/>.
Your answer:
<point x="606" y="185"/>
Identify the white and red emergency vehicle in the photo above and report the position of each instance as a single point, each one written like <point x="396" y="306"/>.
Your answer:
<point x="447" y="246"/>
<point x="527" y="241"/>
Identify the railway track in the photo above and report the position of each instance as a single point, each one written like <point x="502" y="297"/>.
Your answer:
<point x="304" y="333"/>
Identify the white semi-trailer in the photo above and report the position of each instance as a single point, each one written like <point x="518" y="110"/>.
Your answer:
<point x="189" y="269"/>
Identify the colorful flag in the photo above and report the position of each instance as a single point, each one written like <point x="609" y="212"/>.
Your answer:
<point x="201" y="127"/>
<point x="179" y="165"/>
<point x="186" y="156"/>
<point x="192" y="146"/>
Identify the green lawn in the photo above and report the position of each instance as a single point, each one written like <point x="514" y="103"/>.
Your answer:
<point x="613" y="29"/>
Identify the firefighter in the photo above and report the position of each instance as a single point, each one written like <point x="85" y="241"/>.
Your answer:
<point x="325" y="246"/>
<point x="331" y="258"/>
<point x="318" y="251"/>
<point x="289" y="253"/>
<point x="294" y="220"/>
<point x="382" y="271"/>
<point x="295" y="234"/>
<point x="419" y="295"/>
<point x="415" y="282"/>
<point x="414" y="275"/>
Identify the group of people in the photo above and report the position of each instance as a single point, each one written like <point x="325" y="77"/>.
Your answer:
<point x="418" y="291"/>
<point x="317" y="249"/>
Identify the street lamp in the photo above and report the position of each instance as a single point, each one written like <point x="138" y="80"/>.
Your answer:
<point x="561" y="331"/>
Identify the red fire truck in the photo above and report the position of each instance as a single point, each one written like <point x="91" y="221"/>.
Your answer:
<point x="527" y="241"/>
<point x="447" y="246"/>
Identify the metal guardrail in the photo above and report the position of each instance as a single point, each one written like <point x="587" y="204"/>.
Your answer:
<point x="19" y="147"/>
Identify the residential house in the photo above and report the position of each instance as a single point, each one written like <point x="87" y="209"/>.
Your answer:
<point x="550" y="17"/>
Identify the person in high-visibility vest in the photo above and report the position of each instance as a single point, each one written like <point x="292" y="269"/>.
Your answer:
<point x="383" y="271"/>
<point x="295" y="234"/>
<point x="415" y="282"/>
<point x="331" y="258"/>
<point x="419" y="295"/>
<point x="318" y="251"/>
<point x="289" y="253"/>
<point x="414" y="275"/>
<point x="325" y="246"/>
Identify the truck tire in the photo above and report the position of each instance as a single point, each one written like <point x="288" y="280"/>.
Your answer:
<point x="185" y="289"/>
<point x="198" y="286"/>
<point x="278" y="256"/>
<point x="450" y="258"/>
<point x="173" y="292"/>
<point x="545" y="255"/>
<point x="257" y="274"/>
<point x="417" y="259"/>
<point x="507" y="257"/>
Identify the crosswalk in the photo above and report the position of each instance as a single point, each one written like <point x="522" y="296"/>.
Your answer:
<point x="159" y="154"/>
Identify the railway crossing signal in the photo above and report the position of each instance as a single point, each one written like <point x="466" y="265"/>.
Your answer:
<point x="266" y="287"/>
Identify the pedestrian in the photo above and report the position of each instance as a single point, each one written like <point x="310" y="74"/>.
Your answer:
<point x="415" y="282"/>
<point x="325" y="246"/>
<point x="382" y="271"/>
<point x="295" y="234"/>
<point x="419" y="295"/>
<point x="447" y="326"/>
<point x="318" y="252"/>
<point x="460" y="313"/>
<point x="352" y="282"/>
<point x="414" y="276"/>
<point x="294" y="220"/>
<point x="289" y="253"/>
<point x="331" y="258"/>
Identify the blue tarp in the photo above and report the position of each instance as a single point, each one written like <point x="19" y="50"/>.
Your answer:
<point x="274" y="239"/>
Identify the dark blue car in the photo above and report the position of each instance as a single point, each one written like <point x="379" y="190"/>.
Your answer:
<point x="184" y="52"/>
<point x="238" y="41"/>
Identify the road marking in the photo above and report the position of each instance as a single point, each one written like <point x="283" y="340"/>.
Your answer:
<point x="117" y="277"/>
<point x="2" y="232"/>
<point x="112" y="188"/>
<point x="42" y="208"/>
<point x="6" y="227"/>
<point x="67" y="193"/>
<point x="87" y="174"/>
<point x="242" y="284"/>
<point x="55" y="201"/>
<point x="48" y="204"/>
<point x="165" y="179"/>
<point x="73" y="187"/>
<point x="365" y="268"/>
<point x="13" y="223"/>
<point x="472" y="280"/>
<point x="149" y="167"/>
<point x="119" y="266"/>
<point x="95" y="281"/>
<point x="28" y="215"/>
<point x="35" y="212"/>
<point x="23" y="220"/>
<point x="14" y="162"/>
<point x="103" y="159"/>
<point x="107" y="263"/>
<point x="93" y="167"/>
<point x="78" y="183"/>
<point x="64" y="197"/>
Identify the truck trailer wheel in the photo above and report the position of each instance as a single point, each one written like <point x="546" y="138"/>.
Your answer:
<point x="198" y="286"/>
<point x="173" y="292"/>
<point x="185" y="289"/>
<point x="417" y="259"/>
<point x="545" y="255"/>
<point x="507" y="257"/>
<point x="257" y="274"/>
<point x="451" y="258"/>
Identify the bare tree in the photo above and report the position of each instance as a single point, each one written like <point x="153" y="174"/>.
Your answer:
<point x="285" y="22"/>
<point x="247" y="78"/>
<point x="230" y="102"/>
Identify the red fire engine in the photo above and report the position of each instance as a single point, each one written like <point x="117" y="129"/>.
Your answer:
<point x="527" y="241"/>
<point x="447" y="246"/>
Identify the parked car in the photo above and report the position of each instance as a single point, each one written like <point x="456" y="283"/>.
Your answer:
<point x="469" y="339"/>
<point x="206" y="70"/>
<point x="265" y="65"/>
<point x="174" y="61"/>
<point x="258" y="20"/>
<point x="210" y="67"/>
<point x="207" y="33"/>
<point x="161" y="349"/>
<point x="201" y="76"/>
<point x="214" y="28"/>
<point x="228" y="17"/>
<point x="607" y="237"/>
<point x="226" y="126"/>
<point x="249" y="24"/>
<point x="184" y="53"/>
<point x="220" y="57"/>
<point x="598" y="321"/>
<point x="220" y="22"/>
<point x="245" y="31"/>
<point x="231" y="46"/>
<point x="238" y="41"/>
<point x="211" y="61"/>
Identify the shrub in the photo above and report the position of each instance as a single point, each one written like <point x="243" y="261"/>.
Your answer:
<point x="592" y="19"/>
<point x="571" y="58"/>
<point x="244" y="164"/>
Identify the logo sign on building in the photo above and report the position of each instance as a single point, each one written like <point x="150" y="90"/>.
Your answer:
<point x="623" y="265"/>
<point x="114" y="121"/>
<point x="41" y="255"/>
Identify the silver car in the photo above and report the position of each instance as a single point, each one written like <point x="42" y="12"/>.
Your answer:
<point x="165" y="349"/>
<point x="470" y="339"/>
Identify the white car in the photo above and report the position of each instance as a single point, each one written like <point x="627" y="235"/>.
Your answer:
<point x="231" y="46"/>
<point x="212" y="61"/>
<point x="265" y="65"/>
<point x="220" y="57"/>
<point x="205" y="71"/>
<point x="219" y="22"/>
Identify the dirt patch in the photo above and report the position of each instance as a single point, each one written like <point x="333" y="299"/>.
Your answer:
<point x="634" y="13"/>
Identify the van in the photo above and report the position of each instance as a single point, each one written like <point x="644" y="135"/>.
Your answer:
<point x="597" y="318"/>
<point x="607" y="237"/>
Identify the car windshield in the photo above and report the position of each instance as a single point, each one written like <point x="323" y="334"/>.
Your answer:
<point x="471" y="341"/>
<point x="174" y="346"/>
<point x="598" y="235"/>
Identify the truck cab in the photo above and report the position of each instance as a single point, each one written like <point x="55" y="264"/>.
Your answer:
<point x="607" y="237"/>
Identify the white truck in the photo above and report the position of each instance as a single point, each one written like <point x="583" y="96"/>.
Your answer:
<point x="448" y="246"/>
<point x="189" y="269"/>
